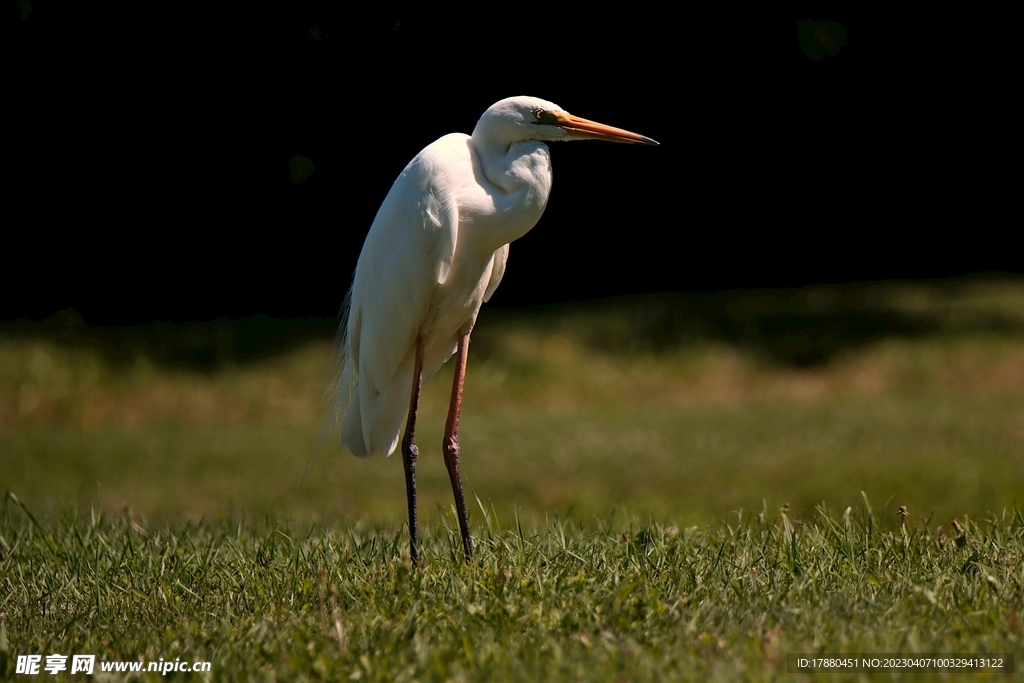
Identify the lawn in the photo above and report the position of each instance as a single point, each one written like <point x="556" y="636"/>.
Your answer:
<point x="692" y="508"/>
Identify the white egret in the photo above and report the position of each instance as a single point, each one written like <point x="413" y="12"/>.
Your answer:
<point x="435" y="253"/>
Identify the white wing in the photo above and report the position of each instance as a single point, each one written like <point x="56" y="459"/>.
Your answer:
<point x="500" y="258"/>
<point x="407" y="254"/>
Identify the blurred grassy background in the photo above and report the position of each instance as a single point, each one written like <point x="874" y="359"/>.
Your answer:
<point x="687" y="407"/>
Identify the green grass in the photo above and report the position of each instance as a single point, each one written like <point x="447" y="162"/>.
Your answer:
<point x="612" y="480"/>
<point x="548" y="427"/>
<point x="617" y="599"/>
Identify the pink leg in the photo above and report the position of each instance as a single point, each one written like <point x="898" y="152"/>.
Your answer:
<point x="451" y="442"/>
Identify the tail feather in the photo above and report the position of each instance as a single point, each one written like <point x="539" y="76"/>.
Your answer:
<point x="382" y="414"/>
<point x="361" y="419"/>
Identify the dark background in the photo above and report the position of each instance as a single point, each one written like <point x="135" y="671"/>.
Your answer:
<point x="153" y="150"/>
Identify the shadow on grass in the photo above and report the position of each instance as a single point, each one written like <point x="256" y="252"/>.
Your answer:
<point x="800" y="327"/>
<point x="201" y="346"/>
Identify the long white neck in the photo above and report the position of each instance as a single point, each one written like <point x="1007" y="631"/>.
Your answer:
<point x="521" y="172"/>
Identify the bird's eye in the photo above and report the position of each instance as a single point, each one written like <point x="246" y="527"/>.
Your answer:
<point x="539" y="114"/>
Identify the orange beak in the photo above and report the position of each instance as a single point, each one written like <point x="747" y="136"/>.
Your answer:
<point x="585" y="128"/>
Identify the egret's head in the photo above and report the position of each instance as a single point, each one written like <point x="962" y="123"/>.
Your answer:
<point x="530" y="118"/>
